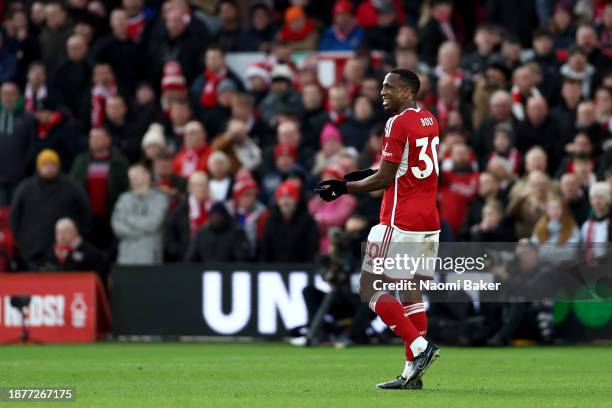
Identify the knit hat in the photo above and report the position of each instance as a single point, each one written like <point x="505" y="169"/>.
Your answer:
<point x="281" y="71"/>
<point x="154" y="135"/>
<point x="285" y="149"/>
<point x="330" y="132"/>
<point x="47" y="156"/>
<point x="287" y="188"/>
<point x="258" y="70"/>
<point x="334" y="171"/>
<point x="294" y="13"/>
<point x="219" y="207"/>
<point x="343" y="6"/>
<point x="173" y="78"/>
<point x="244" y="186"/>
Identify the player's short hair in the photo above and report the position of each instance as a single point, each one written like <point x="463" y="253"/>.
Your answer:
<point x="409" y="78"/>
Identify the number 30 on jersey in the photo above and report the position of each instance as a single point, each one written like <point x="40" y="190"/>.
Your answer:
<point x="431" y="163"/>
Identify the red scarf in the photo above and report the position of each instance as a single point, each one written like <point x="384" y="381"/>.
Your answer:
<point x="99" y="94"/>
<point x="198" y="214"/>
<point x="288" y="35"/>
<point x="443" y="110"/>
<point x="208" y="99"/>
<point x="136" y="26"/>
<point x="62" y="252"/>
<point x="42" y="130"/>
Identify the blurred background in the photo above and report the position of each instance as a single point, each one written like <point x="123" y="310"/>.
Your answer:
<point x="157" y="160"/>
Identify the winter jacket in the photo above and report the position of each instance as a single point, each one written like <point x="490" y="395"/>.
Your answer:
<point x="137" y="221"/>
<point x="17" y="134"/>
<point x="117" y="176"/>
<point x="293" y="240"/>
<point x="228" y="244"/>
<point x="36" y="207"/>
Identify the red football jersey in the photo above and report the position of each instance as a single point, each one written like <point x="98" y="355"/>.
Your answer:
<point x="409" y="203"/>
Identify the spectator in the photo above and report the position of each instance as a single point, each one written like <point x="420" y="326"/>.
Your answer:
<point x="556" y="233"/>
<point x="56" y="31"/>
<point x="137" y="220"/>
<point x="249" y="213"/>
<point x="165" y="180"/>
<point x="299" y="30"/>
<point x="153" y="142"/>
<point x="281" y="95"/>
<point x="261" y="31"/>
<point x="124" y="130"/>
<point x="575" y="197"/>
<point x="258" y="81"/>
<point x="369" y="12"/>
<point x="503" y="147"/>
<point x="485" y="40"/>
<point x="290" y="233"/>
<point x="39" y="202"/>
<point x="220" y="183"/>
<point x="55" y="131"/>
<point x="17" y="136"/>
<point x="436" y="28"/>
<point x="356" y="128"/>
<point x="492" y="227"/>
<point x="73" y="76"/>
<point x="488" y="189"/>
<point x="578" y="69"/>
<point x="194" y="154"/>
<point x="523" y="88"/>
<point x="331" y="146"/>
<point x="580" y="148"/>
<point x="561" y="26"/>
<point x="332" y="214"/>
<point x="71" y="252"/>
<point x="345" y="34"/>
<point x="204" y="88"/>
<point x="495" y="78"/>
<point x="119" y="51"/>
<point x="381" y="36"/>
<point x="543" y="53"/>
<point x="339" y="105"/>
<point x="37" y="89"/>
<point x="586" y="122"/>
<point x="536" y="159"/>
<point x="605" y="27"/>
<point x="458" y="187"/>
<point x="104" y="86"/>
<point x="500" y="111"/>
<point x="173" y="86"/>
<point x="586" y="39"/>
<point x="527" y="209"/>
<point x="229" y="34"/>
<point x="102" y="171"/>
<point x="180" y="115"/>
<point x="140" y="18"/>
<point x="603" y="107"/>
<point x="597" y="228"/>
<point x="188" y="217"/>
<point x="539" y="129"/>
<point x="565" y="112"/>
<point x="182" y="40"/>
<point x="221" y="240"/>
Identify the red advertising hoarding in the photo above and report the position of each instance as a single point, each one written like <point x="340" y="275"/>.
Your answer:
<point x="64" y="307"/>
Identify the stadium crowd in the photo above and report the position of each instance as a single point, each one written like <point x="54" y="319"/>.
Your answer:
<point x="126" y="137"/>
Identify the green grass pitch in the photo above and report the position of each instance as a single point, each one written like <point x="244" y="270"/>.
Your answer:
<point x="278" y="375"/>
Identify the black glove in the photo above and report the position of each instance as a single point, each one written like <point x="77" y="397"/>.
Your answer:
<point x="329" y="190"/>
<point x="358" y="175"/>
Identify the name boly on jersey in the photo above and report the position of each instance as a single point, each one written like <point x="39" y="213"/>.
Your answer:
<point x="412" y="141"/>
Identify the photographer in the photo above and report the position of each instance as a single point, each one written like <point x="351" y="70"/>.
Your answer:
<point x="338" y="269"/>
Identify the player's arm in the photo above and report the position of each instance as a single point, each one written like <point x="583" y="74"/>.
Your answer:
<point x="380" y="180"/>
<point x="330" y="190"/>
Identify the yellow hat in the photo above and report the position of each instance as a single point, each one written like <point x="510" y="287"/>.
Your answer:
<point x="47" y="156"/>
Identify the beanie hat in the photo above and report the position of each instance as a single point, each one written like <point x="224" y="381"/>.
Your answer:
<point x="294" y="13"/>
<point x="173" y="77"/>
<point x="258" y="70"/>
<point x="47" y="156"/>
<point x="287" y="188"/>
<point x="244" y="186"/>
<point x="330" y="132"/>
<point x="154" y="135"/>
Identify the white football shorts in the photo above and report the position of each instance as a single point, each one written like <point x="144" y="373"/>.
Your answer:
<point x="400" y="254"/>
